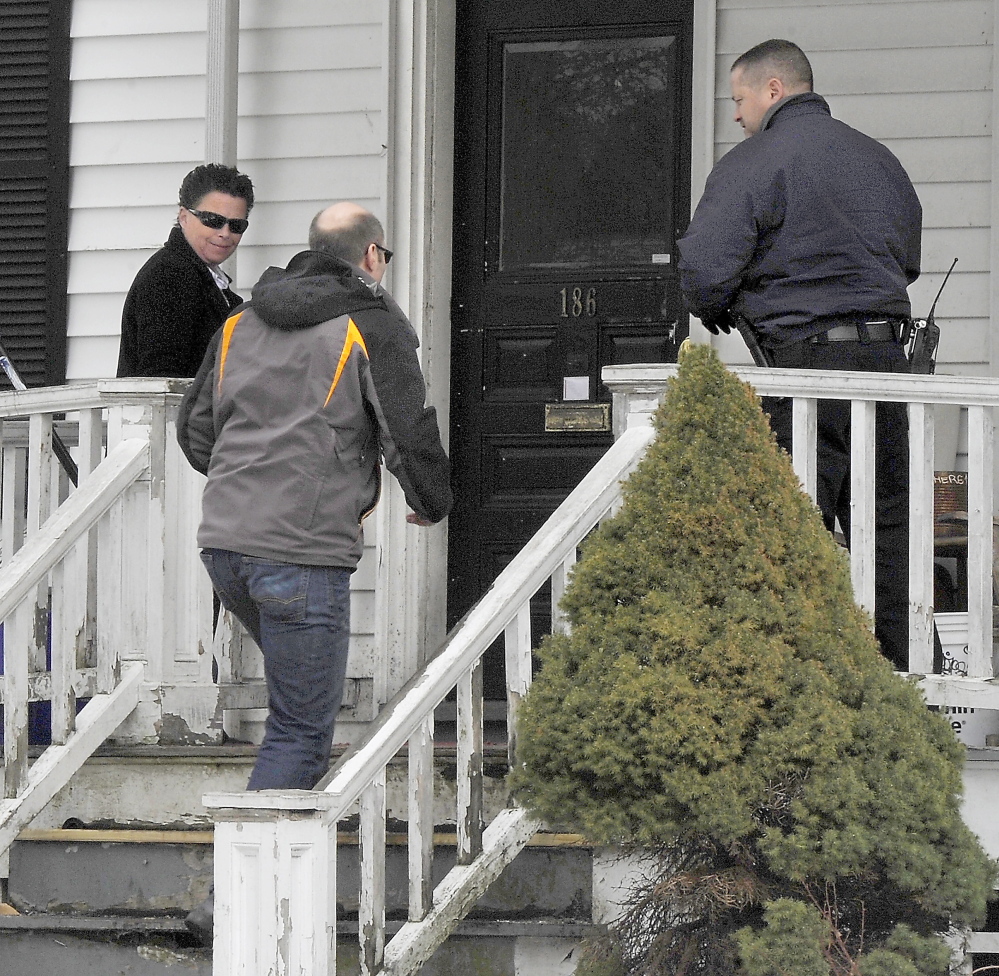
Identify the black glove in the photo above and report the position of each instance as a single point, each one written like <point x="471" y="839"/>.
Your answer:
<point x="719" y="323"/>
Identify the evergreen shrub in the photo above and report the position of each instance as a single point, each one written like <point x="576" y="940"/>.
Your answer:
<point x="722" y="703"/>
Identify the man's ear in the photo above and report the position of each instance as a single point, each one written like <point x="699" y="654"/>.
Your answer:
<point x="368" y="262"/>
<point x="776" y="88"/>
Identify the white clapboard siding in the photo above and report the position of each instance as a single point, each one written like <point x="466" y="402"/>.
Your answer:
<point x="100" y="18"/>
<point x="312" y="48"/>
<point x="312" y="129"/>
<point x="825" y="26"/>
<point x="904" y="69"/>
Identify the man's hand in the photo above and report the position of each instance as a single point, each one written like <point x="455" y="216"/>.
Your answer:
<point x="720" y="323"/>
<point x="415" y="519"/>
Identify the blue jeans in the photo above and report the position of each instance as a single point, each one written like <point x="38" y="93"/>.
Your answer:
<point x="300" y="617"/>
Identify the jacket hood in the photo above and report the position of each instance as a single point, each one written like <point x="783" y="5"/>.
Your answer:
<point x="314" y="288"/>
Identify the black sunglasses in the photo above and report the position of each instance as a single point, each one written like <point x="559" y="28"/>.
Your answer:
<point x="216" y="221"/>
<point x="388" y="254"/>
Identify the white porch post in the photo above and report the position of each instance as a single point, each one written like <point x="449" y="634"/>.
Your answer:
<point x="275" y="883"/>
<point x="222" y="81"/>
<point x="166" y="617"/>
<point x="411" y="585"/>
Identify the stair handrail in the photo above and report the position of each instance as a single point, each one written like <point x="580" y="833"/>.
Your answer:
<point x="67" y="525"/>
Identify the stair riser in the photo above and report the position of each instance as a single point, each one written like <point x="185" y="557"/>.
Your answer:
<point x="135" y="878"/>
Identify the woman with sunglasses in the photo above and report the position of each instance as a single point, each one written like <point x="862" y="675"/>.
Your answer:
<point x="181" y="296"/>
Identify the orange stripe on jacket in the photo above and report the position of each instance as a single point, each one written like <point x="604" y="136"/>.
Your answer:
<point x="353" y="338"/>
<point x="227" y="331"/>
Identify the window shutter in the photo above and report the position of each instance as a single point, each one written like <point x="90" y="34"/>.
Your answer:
<point x="34" y="187"/>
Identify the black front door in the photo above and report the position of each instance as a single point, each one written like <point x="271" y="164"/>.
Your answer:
<point x="571" y="187"/>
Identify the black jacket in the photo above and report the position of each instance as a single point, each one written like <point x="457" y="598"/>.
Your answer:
<point x="806" y="219"/>
<point x="171" y="313"/>
<point x="306" y="387"/>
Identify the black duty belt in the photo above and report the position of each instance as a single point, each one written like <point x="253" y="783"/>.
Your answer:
<point x="882" y="330"/>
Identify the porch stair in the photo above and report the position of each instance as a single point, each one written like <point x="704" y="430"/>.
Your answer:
<point x="98" y="900"/>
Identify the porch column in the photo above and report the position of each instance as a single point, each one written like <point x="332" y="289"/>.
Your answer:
<point x="275" y="883"/>
<point x="411" y="586"/>
<point x="222" y="81"/>
<point x="166" y="620"/>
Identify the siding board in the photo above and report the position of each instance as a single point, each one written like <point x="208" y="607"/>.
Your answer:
<point x="156" y="184"/>
<point x="109" y="18"/>
<point x="100" y="18"/>
<point x="948" y="205"/>
<point x="141" y="56"/>
<point x="869" y="26"/>
<point x="925" y="69"/>
<point x="299" y="93"/>
<point x="314" y="49"/>
<point x="282" y="137"/>
<point x="970" y="245"/>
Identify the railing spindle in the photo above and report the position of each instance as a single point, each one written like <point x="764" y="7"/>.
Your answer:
<point x="89" y="455"/>
<point x="469" y="765"/>
<point x="560" y="580"/>
<point x="17" y="633"/>
<point x="981" y="431"/>
<point x="804" y="432"/>
<point x="12" y="523"/>
<point x="921" y="466"/>
<point x="421" y="820"/>
<point x="862" y="502"/>
<point x="517" y="637"/>
<point x="111" y="628"/>
<point x="69" y="612"/>
<point x="371" y="911"/>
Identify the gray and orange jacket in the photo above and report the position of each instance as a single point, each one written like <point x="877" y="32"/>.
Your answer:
<point x="302" y="392"/>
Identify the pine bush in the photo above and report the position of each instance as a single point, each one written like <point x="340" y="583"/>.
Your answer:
<point x="721" y="701"/>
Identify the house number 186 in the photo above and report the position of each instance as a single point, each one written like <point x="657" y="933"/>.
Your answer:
<point x="575" y="303"/>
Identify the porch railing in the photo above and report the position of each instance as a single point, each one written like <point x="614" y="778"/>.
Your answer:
<point x="276" y="885"/>
<point x="637" y="390"/>
<point x="90" y="583"/>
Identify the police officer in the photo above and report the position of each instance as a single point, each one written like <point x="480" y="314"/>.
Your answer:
<point x="810" y="230"/>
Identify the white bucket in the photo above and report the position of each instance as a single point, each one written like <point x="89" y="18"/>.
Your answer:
<point x="970" y="725"/>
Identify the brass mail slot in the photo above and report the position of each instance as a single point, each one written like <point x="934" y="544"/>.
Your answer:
<point x="577" y="416"/>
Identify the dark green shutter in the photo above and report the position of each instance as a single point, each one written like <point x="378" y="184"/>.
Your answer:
<point x="34" y="186"/>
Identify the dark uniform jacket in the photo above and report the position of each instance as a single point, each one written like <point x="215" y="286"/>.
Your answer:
<point x="303" y="391"/>
<point x="171" y="313"/>
<point x="807" y="219"/>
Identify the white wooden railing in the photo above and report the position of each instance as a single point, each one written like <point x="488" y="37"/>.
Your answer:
<point x="637" y="390"/>
<point x="95" y="584"/>
<point x="275" y="863"/>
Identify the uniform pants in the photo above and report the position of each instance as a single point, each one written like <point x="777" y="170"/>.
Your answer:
<point x="890" y="473"/>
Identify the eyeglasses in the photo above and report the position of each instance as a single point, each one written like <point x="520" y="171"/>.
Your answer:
<point x="216" y="221"/>
<point x="388" y="254"/>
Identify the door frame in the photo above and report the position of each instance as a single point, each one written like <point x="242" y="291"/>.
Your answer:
<point x="419" y="59"/>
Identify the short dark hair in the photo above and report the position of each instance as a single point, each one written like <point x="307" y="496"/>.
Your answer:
<point x="349" y="241"/>
<point x="214" y="177"/>
<point x="779" y="59"/>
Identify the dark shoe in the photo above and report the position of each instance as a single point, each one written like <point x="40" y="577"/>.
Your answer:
<point x="200" y="921"/>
